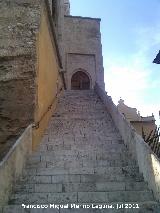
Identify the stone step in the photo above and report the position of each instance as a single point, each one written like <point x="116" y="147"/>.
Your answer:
<point x="80" y="106"/>
<point x="92" y="148"/>
<point x="117" y="196"/>
<point x="43" y="156"/>
<point x="81" y="102"/>
<point x="81" y="197"/>
<point x="141" y="207"/>
<point x="82" y="159"/>
<point x="74" y="179"/>
<point x="81" y="187"/>
<point x="76" y="170"/>
<point x="89" y="178"/>
<point x="72" y="149"/>
<point x="77" y="155"/>
<point x="81" y="148"/>
<point x="127" y="170"/>
<point x="99" y="147"/>
<point x="79" y="165"/>
<point x="85" y="141"/>
<point x="81" y="116"/>
<point x="58" y="116"/>
<point x="86" y="175"/>
<point x="50" y="148"/>
<point x="80" y="111"/>
<point x="79" y="96"/>
<point x="66" y="144"/>
<point x="52" y="162"/>
<point x="138" y="207"/>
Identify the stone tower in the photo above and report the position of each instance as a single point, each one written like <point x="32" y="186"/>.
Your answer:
<point x="80" y="47"/>
<point x="66" y="7"/>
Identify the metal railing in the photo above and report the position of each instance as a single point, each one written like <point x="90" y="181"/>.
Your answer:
<point x="153" y="140"/>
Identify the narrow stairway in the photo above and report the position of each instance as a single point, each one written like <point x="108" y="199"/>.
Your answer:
<point x="81" y="160"/>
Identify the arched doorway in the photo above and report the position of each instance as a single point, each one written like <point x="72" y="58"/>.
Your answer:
<point x="80" y="81"/>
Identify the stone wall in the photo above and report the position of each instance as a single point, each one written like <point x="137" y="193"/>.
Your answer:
<point x="12" y="165"/>
<point x="87" y="63"/>
<point x="17" y="93"/>
<point x="29" y="68"/>
<point x="148" y="163"/>
<point x="19" y="21"/>
<point x="83" y="42"/>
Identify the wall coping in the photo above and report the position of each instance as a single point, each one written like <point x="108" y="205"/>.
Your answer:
<point x="12" y="165"/>
<point x="15" y="145"/>
<point x="81" y="17"/>
<point x="148" y="162"/>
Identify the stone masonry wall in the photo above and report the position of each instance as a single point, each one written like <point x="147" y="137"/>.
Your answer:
<point x="19" y="22"/>
<point x="149" y="164"/>
<point x="82" y="36"/>
<point x="86" y="62"/>
<point x="16" y="98"/>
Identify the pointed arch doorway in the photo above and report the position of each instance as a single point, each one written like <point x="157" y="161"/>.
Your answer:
<point x="80" y="81"/>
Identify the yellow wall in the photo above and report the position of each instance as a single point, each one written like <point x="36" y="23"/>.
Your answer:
<point x="135" y="119"/>
<point x="147" y="127"/>
<point x="48" y="78"/>
<point x="130" y="113"/>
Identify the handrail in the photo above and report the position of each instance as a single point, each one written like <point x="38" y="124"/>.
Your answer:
<point x="64" y="81"/>
<point x="36" y="125"/>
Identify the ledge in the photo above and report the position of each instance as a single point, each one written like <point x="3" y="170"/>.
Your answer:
<point x="81" y="17"/>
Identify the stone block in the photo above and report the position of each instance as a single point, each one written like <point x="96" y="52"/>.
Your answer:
<point x="110" y="186"/>
<point x="66" y="179"/>
<point x="89" y="197"/>
<point x="129" y="196"/>
<point x="25" y="188"/>
<point x="48" y="210"/>
<point x="136" y="186"/>
<point x="52" y="171"/>
<point x="83" y="170"/>
<point x="79" y="187"/>
<point x="15" y="209"/>
<point x="63" y="198"/>
<point x="48" y="188"/>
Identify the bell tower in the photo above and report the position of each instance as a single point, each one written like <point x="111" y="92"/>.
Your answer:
<point x="66" y="7"/>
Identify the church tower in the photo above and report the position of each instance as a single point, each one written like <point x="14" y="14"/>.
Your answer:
<point x="79" y="41"/>
<point x="83" y="61"/>
<point x="66" y="7"/>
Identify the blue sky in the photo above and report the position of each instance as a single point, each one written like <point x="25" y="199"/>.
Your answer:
<point x="131" y="39"/>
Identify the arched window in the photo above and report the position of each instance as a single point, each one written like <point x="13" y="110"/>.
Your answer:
<point x="80" y="81"/>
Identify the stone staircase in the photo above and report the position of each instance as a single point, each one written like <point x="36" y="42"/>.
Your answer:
<point x="81" y="160"/>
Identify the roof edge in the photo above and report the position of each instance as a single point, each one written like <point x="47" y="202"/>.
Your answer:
<point x="81" y="17"/>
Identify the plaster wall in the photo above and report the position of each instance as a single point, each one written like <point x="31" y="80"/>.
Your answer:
<point x="147" y="127"/>
<point x="136" y="120"/>
<point x="48" y="78"/>
<point x="129" y="113"/>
